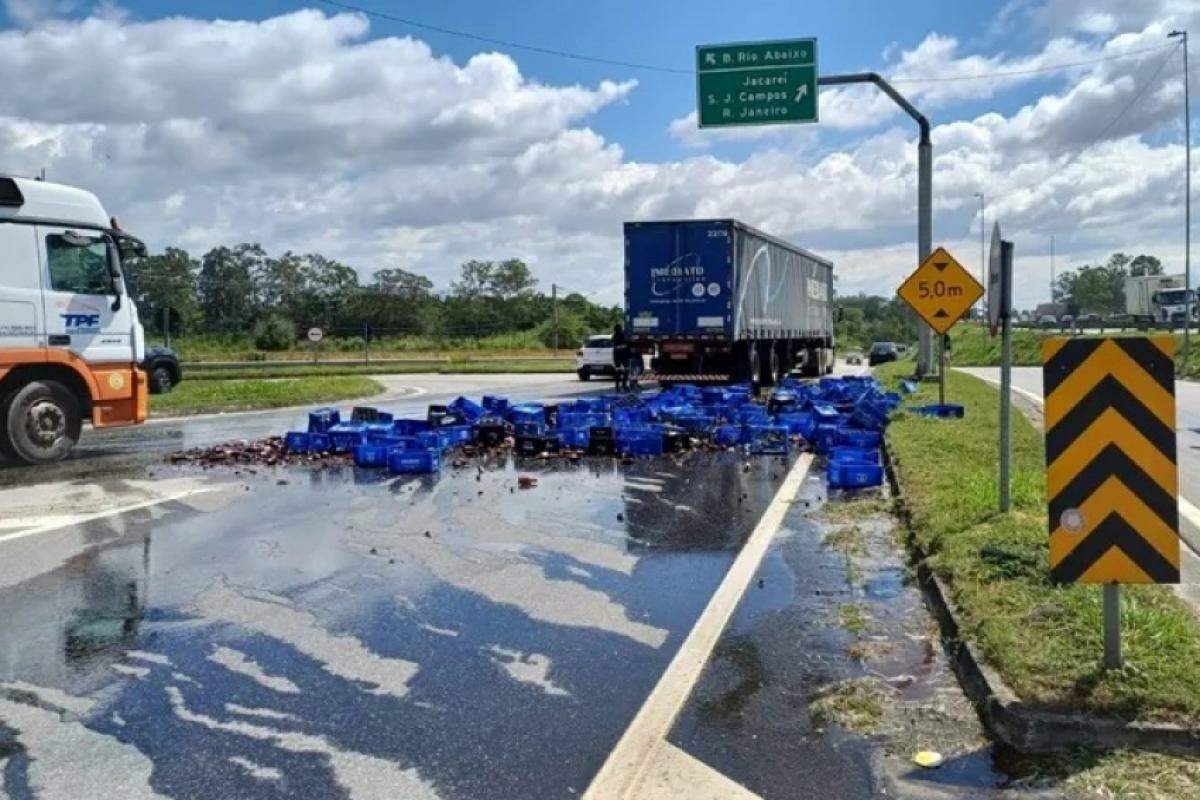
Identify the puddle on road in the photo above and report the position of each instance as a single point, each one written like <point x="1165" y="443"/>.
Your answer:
<point x="317" y="632"/>
<point x="834" y="610"/>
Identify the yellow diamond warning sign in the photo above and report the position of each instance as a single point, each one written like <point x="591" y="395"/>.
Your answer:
<point x="940" y="291"/>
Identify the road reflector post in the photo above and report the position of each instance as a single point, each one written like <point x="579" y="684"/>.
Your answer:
<point x="1112" y="479"/>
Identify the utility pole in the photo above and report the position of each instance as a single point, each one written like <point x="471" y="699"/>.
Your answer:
<point x="982" y="226"/>
<point x="924" y="191"/>
<point x="554" y="300"/>
<point x="1187" y="201"/>
<point x="1052" y="268"/>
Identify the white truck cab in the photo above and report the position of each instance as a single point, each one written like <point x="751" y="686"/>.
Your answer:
<point x="70" y="339"/>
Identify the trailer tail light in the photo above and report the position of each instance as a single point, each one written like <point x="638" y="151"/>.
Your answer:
<point x="679" y="347"/>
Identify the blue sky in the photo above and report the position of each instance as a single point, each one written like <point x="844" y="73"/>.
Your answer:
<point x="306" y="127"/>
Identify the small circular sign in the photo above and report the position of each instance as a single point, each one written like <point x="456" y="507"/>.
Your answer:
<point x="315" y="335"/>
<point x="116" y="381"/>
<point x="1072" y="520"/>
<point x="698" y="289"/>
<point x="714" y="289"/>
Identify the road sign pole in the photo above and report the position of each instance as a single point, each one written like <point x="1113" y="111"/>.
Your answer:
<point x="924" y="192"/>
<point x="942" y="368"/>
<point x="1112" y="626"/>
<point x="1006" y="254"/>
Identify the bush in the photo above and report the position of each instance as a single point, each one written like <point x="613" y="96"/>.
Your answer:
<point x="274" y="333"/>
<point x="571" y="331"/>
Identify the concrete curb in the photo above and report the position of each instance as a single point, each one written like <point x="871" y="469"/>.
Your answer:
<point x="1019" y="725"/>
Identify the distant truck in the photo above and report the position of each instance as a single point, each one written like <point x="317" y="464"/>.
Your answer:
<point x="1157" y="299"/>
<point x="70" y="339"/>
<point x="715" y="300"/>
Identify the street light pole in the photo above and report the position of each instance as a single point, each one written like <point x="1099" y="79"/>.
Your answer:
<point x="924" y="191"/>
<point x="1052" y="268"/>
<point x="1187" y="200"/>
<point x="982" y="257"/>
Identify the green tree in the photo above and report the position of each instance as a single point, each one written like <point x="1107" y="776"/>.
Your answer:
<point x="511" y="279"/>
<point x="225" y="288"/>
<point x="167" y="280"/>
<point x="1145" y="265"/>
<point x="401" y="283"/>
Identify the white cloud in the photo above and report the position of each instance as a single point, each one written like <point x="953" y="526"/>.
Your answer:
<point x="304" y="133"/>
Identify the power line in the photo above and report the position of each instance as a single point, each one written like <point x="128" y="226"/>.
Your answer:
<point x="1031" y="71"/>
<point x="549" y="51"/>
<point x="505" y="43"/>
<point x="1111" y="124"/>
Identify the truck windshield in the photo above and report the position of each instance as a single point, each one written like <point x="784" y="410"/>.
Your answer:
<point x="1173" y="297"/>
<point x="79" y="264"/>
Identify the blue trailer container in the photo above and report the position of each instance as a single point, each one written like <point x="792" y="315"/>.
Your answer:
<point x="718" y="300"/>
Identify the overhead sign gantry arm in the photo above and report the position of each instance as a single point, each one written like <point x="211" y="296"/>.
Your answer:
<point x="924" y="190"/>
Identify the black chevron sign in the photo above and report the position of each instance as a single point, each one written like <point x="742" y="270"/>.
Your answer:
<point x="1111" y="474"/>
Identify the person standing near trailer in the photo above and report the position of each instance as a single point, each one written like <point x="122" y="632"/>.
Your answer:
<point x="620" y="348"/>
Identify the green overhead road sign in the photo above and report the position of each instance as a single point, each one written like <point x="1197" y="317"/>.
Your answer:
<point x="757" y="83"/>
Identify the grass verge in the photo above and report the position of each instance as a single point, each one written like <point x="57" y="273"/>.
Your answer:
<point x="199" y="397"/>
<point x="309" y="369"/>
<point x="1044" y="640"/>
<point x="972" y="346"/>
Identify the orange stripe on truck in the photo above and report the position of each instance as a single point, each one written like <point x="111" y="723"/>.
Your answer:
<point x="118" y="391"/>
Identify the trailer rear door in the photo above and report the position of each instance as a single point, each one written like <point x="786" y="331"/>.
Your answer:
<point x="678" y="278"/>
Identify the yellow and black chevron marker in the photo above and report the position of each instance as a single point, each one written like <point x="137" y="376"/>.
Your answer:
<point x="1111" y="475"/>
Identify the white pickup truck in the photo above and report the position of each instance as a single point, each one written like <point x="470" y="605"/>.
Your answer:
<point x="70" y="339"/>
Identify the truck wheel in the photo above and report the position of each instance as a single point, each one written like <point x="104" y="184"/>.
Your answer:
<point x="774" y="366"/>
<point x="42" y="422"/>
<point x="161" y="380"/>
<point x="585" y="374"/>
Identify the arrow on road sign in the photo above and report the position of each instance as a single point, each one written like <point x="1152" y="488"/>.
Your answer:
<point x="802" y="92"/>
<point x="1111" y="462"/>
<point x="940" y="290"/>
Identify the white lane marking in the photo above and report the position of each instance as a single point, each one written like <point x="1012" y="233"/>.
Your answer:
<point x="1189" y="511"/>
<point x="57" y="522"/>
<point x="633" y="760"/>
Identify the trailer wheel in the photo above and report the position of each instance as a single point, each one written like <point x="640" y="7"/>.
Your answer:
<point x="753" y="364"/>
<point x="42" y="422"/>
<point x="774" y="365"/>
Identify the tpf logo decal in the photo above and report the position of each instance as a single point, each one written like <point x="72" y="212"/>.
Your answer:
<point x="81" y="323"/>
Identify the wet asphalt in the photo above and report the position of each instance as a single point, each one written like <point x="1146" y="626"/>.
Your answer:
<point x="330" y="632"/>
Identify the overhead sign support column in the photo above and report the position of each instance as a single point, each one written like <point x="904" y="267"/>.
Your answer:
<point x="924" y="191"/>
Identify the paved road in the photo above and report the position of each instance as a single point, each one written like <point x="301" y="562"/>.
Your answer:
<point x="332" y="632"/>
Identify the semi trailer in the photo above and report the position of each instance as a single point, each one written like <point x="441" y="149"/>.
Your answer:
<point x="70" y="340"/>
<point x="718" y="301"/>
<point x="1158" y="299"/>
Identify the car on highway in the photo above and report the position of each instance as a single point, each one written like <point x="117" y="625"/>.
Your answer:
<point x="1088" y="321"/>
<point x="162" y="366"/>
<point x="595" y="357"/>
<point x="1047" y="321"/>
<point x="882" y="352"/>
<point x="1066" y="322"/>
<point x="854" y="358"/>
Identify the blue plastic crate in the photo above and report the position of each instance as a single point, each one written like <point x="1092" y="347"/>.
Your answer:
<point x="727" y="435"/>
<point x="319" y="443"/>
<point x="371" y="455"/>
<point x="365" y="414"/>
<point x="695" y="423"/>
<point x="453" y="435"/>
<point x="648" y="443"/>
<point x="532" y="428"/>
<point x="345" y="436"/>
<point x="825" y="413"/>
<point x="527" y="412"/>
<point x="841" y="475"/>
<point x="751" y="413"/>
<point x="387" y="440"/>
<point x="410" y="427"/>
<point x="296" y="441"/>
<point x="322" y="419"/>
<point x="800" y="423"/>
<point x="854" y="437"/>
<point x="824" y="437"/>
<point x="768" y="439"/>
<point x="575" y="438"/>
<point x="582" y="419"/>
<point x="908" y="387"/>
<point x="947" y="411"/>
<point x="410" y="461"/>
<point x="495" y="403"/>
<point x="467" y="409"/>
<point x="855" y="455"/>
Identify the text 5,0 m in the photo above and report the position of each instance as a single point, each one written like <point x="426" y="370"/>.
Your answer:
<point x="938" y="289"/>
